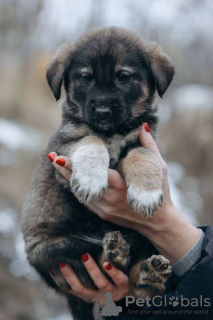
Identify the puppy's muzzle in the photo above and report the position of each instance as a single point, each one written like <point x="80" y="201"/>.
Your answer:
<point x="102" y="107"/>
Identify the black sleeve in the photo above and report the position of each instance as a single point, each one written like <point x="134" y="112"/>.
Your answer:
<point x="187" y="297"/>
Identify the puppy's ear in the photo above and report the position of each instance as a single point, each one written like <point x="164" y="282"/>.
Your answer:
<point x="161" y="66"/>
<point x="56" y="69"/>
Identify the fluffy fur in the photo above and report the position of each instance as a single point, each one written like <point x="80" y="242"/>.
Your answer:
<point x="111" y="78"/>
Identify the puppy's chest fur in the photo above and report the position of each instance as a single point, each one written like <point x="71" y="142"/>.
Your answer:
<point x="117" y="145"/>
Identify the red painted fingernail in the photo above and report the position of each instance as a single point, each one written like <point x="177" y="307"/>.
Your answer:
<point x="146" y="127"/>
<point x="108" y="266"/>
<point x="60" y="162"/>
<point x="51" y="156"/>
<point x="62" y="265"/>
<point x="84" y="257"/>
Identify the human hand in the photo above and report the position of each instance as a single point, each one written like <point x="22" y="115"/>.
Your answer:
<point x="119" y="288"/>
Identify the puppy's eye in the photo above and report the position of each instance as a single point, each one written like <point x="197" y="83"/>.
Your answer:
<point x="87" y="77"/>
<point x="124" y="76"/>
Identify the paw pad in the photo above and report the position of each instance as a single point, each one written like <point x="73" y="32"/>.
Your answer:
<point x="116" y="248"/>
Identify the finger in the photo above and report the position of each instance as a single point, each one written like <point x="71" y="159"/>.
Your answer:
<point x="70" y="277"/>
<point x="95" y="207"/>
<point x="77" y="287"/>
<point x="115" y="180"/>
<point x="62" y="164"/>
<point x="100" y="207"/>
<point x="147" y="141"/>
<point x="118" y="277"/>
<point x="63" y="161"/>
<point x="95" y="273"/>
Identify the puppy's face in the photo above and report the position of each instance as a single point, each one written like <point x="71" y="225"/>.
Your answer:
<point x="110" y="77"/>
<point x="107" y="83"/>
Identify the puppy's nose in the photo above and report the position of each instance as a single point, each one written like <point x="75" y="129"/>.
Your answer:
<point x="103" y="112"/>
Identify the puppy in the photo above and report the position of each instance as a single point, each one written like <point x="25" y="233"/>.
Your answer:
<point x="111" y="79"/>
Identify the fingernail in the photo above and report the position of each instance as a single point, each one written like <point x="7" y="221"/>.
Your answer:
<point x="62" y="265"/>
<point x="60" y="162"/>
<point x="146" y="127"/>
<point x="51" y="156"/>
<point x="84" y="257"/>
<point x="108" y="266"/>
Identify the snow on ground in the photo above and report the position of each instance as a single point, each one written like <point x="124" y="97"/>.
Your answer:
<point x="176" y="174"/>
<point x="19" y="137"/>
<point x="193" y="97"/>
<point x="64" y="316"/>
<point x="8" y="218"/>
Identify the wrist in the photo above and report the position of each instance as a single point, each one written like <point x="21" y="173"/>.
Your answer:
<point x="161" y="224"/>
<point x="171" y="234"/>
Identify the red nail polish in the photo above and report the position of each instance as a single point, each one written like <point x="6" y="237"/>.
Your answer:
<point x="146" y="127"/>
<point x="84" y="257"/>
<point x="62" y="265"/>
<point x="51" y="156"/>
<point x="108" y="266"/>
<point x="60" y="162"/>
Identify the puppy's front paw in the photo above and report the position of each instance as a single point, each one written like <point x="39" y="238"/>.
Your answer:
<point x="144" y="179"/>
<point x="89" y="177"/>
<point x="144" y="202"/>
<point x="88" y="187"/>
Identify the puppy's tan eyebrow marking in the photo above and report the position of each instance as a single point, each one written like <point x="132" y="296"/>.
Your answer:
<point x="85" y="69"/>
<point x="120" y="68"/>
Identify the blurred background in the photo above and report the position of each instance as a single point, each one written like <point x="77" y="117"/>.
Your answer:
<point x="31" y="31"/>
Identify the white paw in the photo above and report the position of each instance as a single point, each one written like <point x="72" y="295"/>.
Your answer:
<point x="89" y="177"/>
<point x="144" y="201"/>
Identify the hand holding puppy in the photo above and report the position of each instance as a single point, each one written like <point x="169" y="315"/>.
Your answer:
<point x="172" y="242"/>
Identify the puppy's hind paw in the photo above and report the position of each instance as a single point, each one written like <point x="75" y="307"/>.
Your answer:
<point x="144" y="202"/>
<point x="116" y="249"/>
<point x="152" y="275"/>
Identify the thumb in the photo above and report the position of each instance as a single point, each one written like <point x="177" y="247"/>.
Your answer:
<point x="147" y="141"/>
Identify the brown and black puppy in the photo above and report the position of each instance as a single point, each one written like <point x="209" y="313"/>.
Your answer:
<point x="111" y="79"/>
